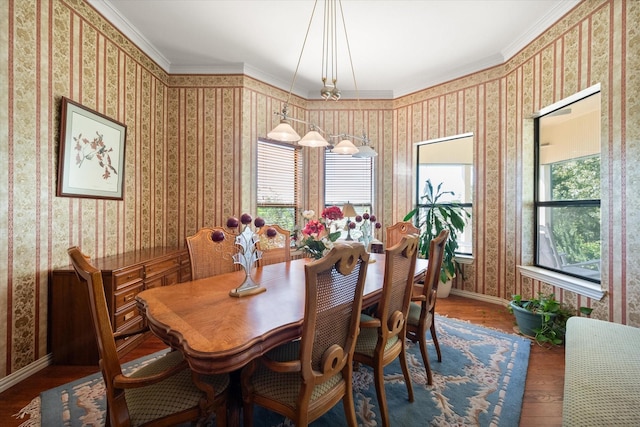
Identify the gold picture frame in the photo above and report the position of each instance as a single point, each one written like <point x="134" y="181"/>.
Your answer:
<point x="91" y="155"/>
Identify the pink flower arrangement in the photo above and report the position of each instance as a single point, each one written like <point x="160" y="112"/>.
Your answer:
<point x="317" y="240"/>
<point x="313" y="228"/>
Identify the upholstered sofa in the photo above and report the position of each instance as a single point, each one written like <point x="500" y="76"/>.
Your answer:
<point x="602" y="374"/>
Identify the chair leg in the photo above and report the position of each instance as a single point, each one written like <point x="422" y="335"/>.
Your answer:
<point x="348" y="403"/>
<point x="434" y="337"/>
<point x="382" y="398"/>
<point x="405" y="372"/>
<point x="425" y="359"/>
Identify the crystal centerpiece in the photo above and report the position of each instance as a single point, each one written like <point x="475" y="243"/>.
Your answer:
<point x="248" y="253"/>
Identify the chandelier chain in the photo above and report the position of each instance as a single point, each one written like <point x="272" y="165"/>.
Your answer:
<point x="353" y="72"/>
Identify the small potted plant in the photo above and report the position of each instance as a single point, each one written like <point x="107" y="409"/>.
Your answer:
<point x="543" y="318"/>
<point x="431" y="216"/>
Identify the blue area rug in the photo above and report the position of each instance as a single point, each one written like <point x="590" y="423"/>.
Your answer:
<point x="480" y="382"/>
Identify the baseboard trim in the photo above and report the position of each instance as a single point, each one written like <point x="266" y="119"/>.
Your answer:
<point x="25" y="372"/>
<point x="480" y="297"/>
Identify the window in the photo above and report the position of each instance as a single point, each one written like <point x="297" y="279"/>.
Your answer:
<point x="348" y="179"/>
<point x="567" y="197"/>
<point x="449" y="161"/>
<point x="279" y="183"/>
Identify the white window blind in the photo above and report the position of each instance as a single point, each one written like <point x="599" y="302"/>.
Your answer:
<point x="279" y="174"/>
<point x="348" y="179"/>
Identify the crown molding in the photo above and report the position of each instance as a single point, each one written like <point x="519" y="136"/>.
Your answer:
<point x="539" y="27"/>
<point x="123" y="25"/>
<point x="105" y="8"/>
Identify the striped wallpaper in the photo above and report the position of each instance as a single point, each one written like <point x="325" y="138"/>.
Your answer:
<point x="191" y="143"/>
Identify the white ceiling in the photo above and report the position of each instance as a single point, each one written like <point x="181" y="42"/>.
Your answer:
<point x="397" y="46"/>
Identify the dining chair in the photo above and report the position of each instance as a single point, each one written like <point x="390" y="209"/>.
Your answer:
<point x="422" y="309"/>
<point x="211" y="252"/>
<point x="275" y="244"/>
<point x="305" y="378"/>
<point x="396" y="231"/>
<point x="162" y="392"/>
<point x="381" y="339"/>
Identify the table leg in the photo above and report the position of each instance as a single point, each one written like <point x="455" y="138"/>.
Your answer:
<point x="234" y="406"/>
<point x="210" y="403"/>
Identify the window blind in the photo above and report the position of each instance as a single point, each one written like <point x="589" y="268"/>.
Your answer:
<point x="348" y="179"/>
<point x="279" y="174"/>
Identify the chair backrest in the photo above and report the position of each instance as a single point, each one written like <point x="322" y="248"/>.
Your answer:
<point x="275" y="244"/>
<point x="436" y="255"/>
<point x="396" y="231"/>
<point x="109" y="363"/>
<point x="211" y="252"/>
<point x="334" y="288"/>
<point x="399" y="269"/>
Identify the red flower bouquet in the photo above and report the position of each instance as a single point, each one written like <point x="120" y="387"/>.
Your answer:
<point x="332" y="213"/>
<point x="317" y="241"/>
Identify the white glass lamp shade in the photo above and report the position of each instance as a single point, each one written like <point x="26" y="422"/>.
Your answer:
<point x="364" y="151"/>
<point x="313" y="139"/>
<point x="284" y="132"/>
<point x="345" y="147"/>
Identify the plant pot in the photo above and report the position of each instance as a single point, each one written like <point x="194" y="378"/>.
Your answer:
<point x="444" y="289"/>
<point x="526" y="320"/>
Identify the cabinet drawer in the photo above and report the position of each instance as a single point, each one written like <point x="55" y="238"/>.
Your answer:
<point x="128" y="277"/>
<point x="127" y="295"/>
<point x="160" y="267"/>
<point x="126" y="315"/>
<point x="185" y="274"/>
<point x="185" y="260"/>
<point x="171" y="278"/>
<point x="124" y="344"/>
<point x="185" y="268"/>
<point x="148" y="284"/>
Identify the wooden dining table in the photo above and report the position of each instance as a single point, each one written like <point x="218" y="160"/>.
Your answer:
<point x="218" y="333"/>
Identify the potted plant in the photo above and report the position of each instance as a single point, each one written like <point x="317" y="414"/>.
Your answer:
<point x="543" y="318"/>
<point x="431" y="216"/>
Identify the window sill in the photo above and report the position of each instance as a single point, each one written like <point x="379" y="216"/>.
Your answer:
<point x="573" y="284"/>
<point x="464" y="259"/>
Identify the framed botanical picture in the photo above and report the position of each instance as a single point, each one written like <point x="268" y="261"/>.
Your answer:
<point x="91" y="157"/>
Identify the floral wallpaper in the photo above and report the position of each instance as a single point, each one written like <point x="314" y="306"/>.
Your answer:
<point x="191" y="144"/>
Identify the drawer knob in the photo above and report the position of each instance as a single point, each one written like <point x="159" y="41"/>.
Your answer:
<point x="129" y="297"/>
<point x="129" y="315"/>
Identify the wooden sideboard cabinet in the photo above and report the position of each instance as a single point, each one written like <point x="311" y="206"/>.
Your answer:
<point x="71" y="336"/>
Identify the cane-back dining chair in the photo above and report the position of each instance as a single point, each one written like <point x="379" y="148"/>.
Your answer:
<point x="305" y="378"/>
<point x="211" y="252"/>
<point x="275" y="244"/>
<point x="398" y="230"/>
<point x="160" y="393"/>
<point x="381" y="339"/>
<point x="423" y="306"/>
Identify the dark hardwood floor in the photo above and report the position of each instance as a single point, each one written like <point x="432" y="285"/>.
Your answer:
<point x="542" y="404"/>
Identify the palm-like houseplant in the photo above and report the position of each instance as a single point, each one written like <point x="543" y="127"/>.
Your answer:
<point x="432" y="216"/>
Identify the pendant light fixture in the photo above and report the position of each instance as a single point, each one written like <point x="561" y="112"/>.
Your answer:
<point x="316" y="137"/>
<point x="313" y="138"/>
<point x="345" y="147"/>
